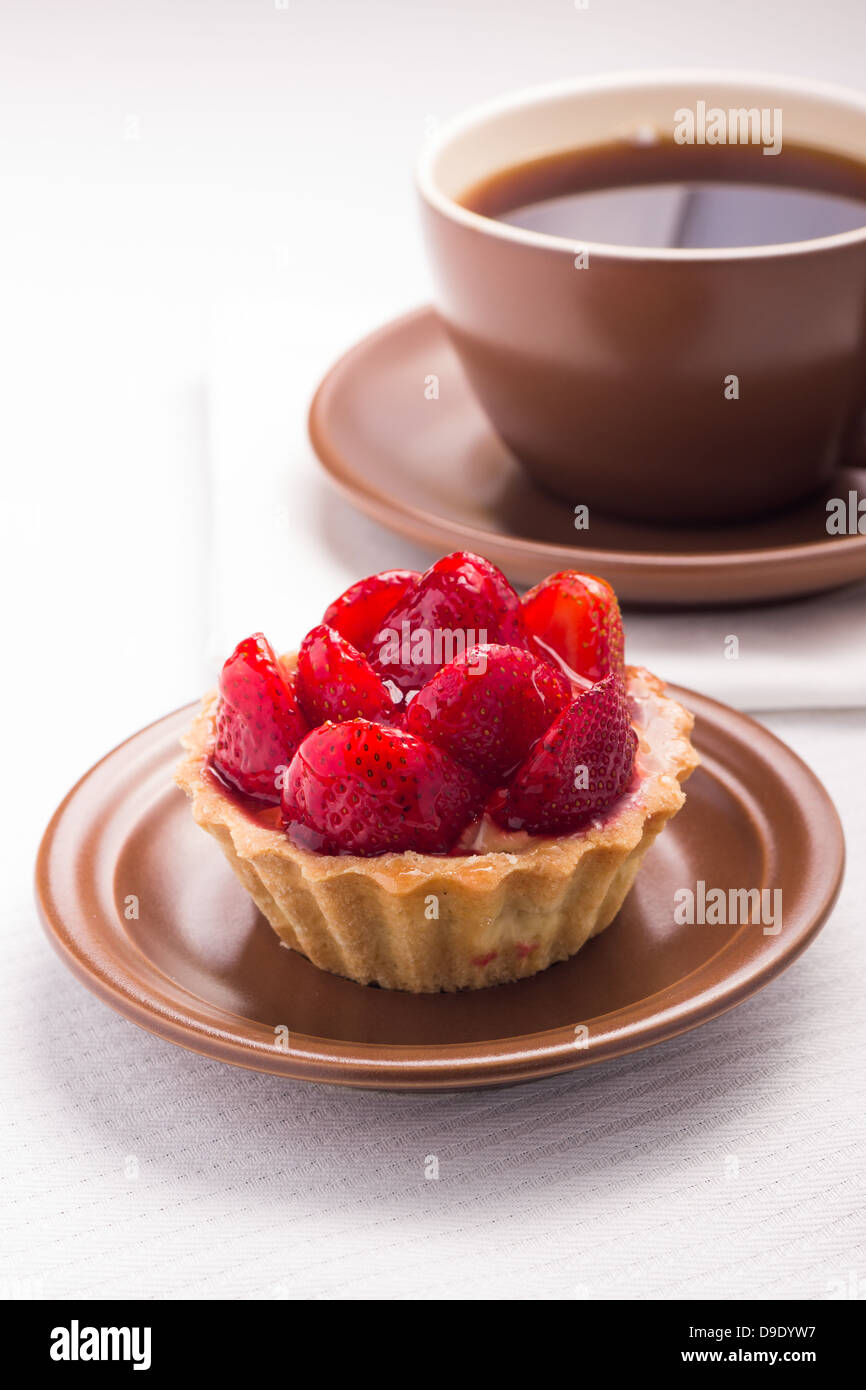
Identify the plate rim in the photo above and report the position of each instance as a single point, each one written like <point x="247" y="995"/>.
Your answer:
<point x="432" y="528"/>
<point x="448" y="1066"/>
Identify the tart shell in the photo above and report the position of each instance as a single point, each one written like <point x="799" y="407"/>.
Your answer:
<point x="427" y="923"/>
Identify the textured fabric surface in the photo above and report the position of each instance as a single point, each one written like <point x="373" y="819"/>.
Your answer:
<point x="726" y="1162"/>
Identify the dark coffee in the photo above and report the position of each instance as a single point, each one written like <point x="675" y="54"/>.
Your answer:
<point x="661" y="194"/>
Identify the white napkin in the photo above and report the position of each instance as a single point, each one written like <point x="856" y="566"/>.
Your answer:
<point x="284" y="543"/>
<point x="804" y="654"/>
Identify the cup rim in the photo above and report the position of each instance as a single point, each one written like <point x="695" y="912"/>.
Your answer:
<point x="632" y="78"/>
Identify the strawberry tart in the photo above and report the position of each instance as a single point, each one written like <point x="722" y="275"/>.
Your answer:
<point x="446" y="786"/>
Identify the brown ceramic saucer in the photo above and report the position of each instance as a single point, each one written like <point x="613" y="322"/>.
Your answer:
<point x="435" y="471"/>
<point x="200" y="967"/>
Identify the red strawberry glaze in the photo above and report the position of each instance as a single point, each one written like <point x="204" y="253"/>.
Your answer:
<point x="360" y="612"/>
<point x="460" y="601"/>
<point x="650" y="722"/>
<point x="362" y="788"/>
<point x="424" y="749"/>
<point x="487" y="708"/>
<point x="582" y="764"/>
<point x="576" y="618"/>
<point x="335" y="681"/>
<point x="482" y="835"/>
<point x="258" y="723"/>
<point x="268" y="817"/>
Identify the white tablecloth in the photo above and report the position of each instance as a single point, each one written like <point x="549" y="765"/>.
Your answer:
<point x="727" y="1162"/>
<point x="203" y="167"/>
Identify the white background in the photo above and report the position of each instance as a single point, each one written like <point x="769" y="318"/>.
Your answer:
<point x="204" y="202"/>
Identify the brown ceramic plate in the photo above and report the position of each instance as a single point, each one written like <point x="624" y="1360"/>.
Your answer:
<point x="435" y="470"/>
<point x="200" y="967"/>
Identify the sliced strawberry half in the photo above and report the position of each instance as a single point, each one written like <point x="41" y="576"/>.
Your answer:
<point x="360" y="612"/>
<point x="335" y="681"/>
<point x="487" y="707"/>
<point x="577" y="769"/>
<point x="461" y="601"/>
<point x="362" y="788"/>
<point x="258" y="722"/>
<point x="576" y="617"/>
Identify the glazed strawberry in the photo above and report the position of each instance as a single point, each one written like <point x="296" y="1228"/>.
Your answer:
<point x="487" y="707"/>
<point x="576" y="617"/>
<point x="577" y="770"/>
<point x="258" y="723"/>
<point x="362" y="788"/>
<point x="334" y="681"/>
<point x="459" y="602"/>
<point x="360" y="612"/>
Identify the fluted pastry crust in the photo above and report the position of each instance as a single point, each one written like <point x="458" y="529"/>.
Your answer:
<point x="426" y="923"/>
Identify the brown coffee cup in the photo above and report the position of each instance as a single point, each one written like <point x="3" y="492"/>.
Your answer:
<point x="608" y="379"/>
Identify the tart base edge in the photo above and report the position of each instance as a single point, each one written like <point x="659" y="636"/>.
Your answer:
<point x="426" y="924"/>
